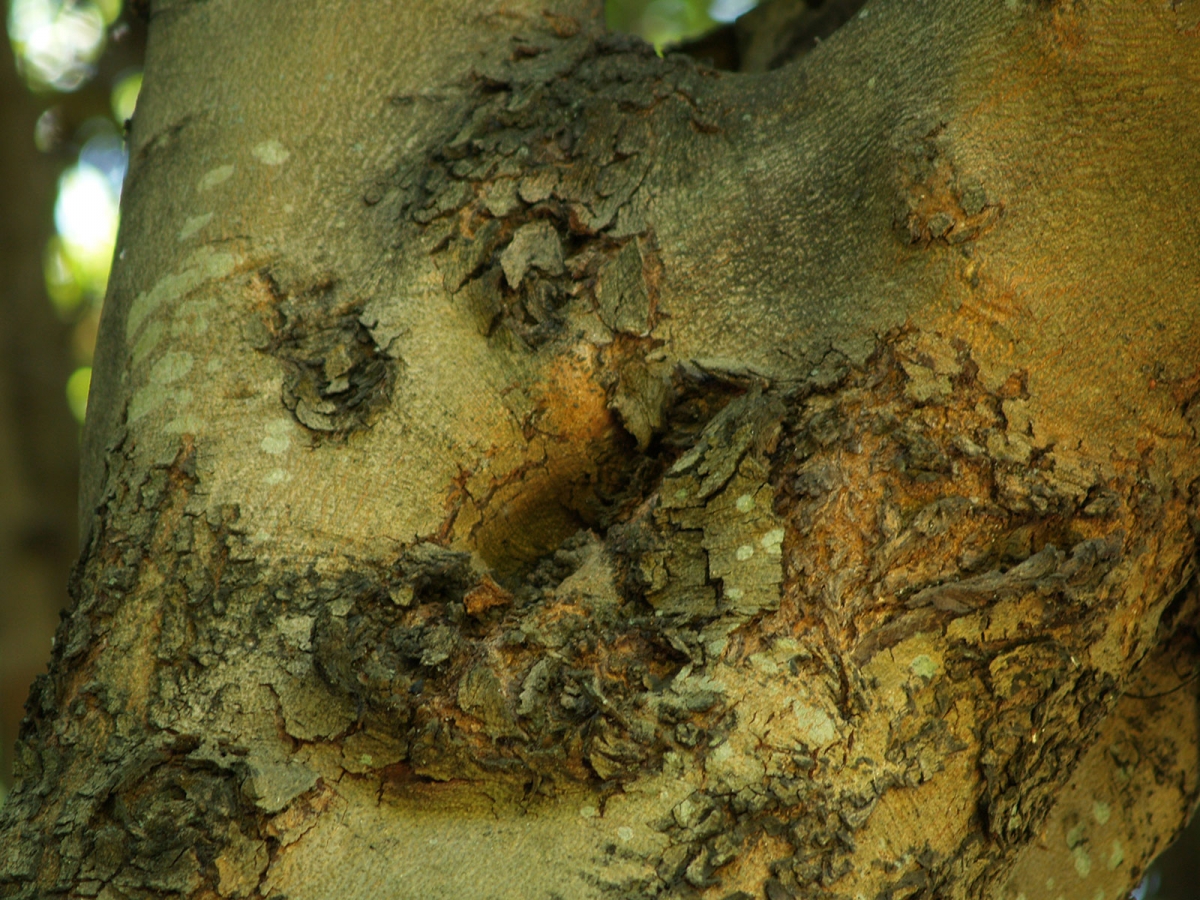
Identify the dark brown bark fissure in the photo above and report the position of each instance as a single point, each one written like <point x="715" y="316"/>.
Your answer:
<point x="337" y="379"/>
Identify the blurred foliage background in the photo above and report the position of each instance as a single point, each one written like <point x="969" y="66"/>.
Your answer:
<point x="67" y="85"/>
<point x="663" y="22"/>
<point x="82" y="59"/>
<point x="67" y="89"/>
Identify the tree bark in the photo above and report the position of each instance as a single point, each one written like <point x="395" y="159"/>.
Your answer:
<point x="522" y="466"/>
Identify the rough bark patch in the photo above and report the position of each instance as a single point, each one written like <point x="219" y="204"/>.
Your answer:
<point x="336" y="379"/>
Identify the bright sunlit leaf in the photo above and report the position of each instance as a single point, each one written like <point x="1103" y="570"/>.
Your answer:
<point x="110" y="9"/>
<point x="86" y="217"/>
<point x="86" y="211"/>
<point x="48" y="133"/>
<point x="56" y="42"/>
<point x="78" y="386"/>
<point x="61" y="283"/>
<point x="83" y="335"/>
<point x="124" y="95"/>
<point x="104" y="150"/>
<point x="728" y="10"/>
<point x="671" y="21"/>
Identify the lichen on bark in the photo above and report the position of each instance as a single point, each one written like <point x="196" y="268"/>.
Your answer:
<point x="695" y="504"/>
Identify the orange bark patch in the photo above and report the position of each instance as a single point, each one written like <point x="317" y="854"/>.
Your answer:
<point x="547" y="489"/>
<point x="939" y="205"/>
<point x="751" y="869"/>
<point x="486" y="596"/>
<point x="573" y="405"/>
<point x="1091" y="247"/>
<point x="563" y="26"/>
<point x="940" y="213"/>
<point x="1067" y="29"/>
<point x="291" y="824"/>
<point x="1187" y="15"/>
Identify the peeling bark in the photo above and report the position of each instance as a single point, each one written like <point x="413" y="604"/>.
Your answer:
<point x="569" y="472"/>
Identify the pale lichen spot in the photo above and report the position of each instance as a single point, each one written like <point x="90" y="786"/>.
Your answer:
<point x="188" y="424"/>
<point x="772" y="542"/>
<point x="1075" y="835"/>
<point x="589" y="812"/>
<point x="745" y="503"/>
<point x="145" y="402"/>
<point x="734" y="768"/>
<point x="154" y="395"/>
<point x="785" y="648"/>
<point x="686" y="461"/>
<point x="213" y="177"/>
<point x="205" y="264"/>
<point x="192" y="317"/>
<point x="1116" y="855"/>
<point x="171" y="367"/>
<point x="271" y="152"/>
<point x="278" y="438"/>
<point x="276" y="477"/>
<point x="815" y="724"/>
<point x="1101" y="811"/>
<point x="744" y="552"/>
<point x="625" y="833"/>
<point x="734" y="594"/>
<point x="1083" y="862"/>
<point x="923" y="666"/>
<point x="147" y="341"/>
<point x="297" y="631"/>
<point x="194" y="224"/>
<point x="764" y="663"/>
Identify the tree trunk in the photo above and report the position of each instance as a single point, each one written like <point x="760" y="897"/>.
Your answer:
<point x="522" y="466"/>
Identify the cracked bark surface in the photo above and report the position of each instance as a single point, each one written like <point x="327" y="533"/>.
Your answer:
<point x="522" y="466"/>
